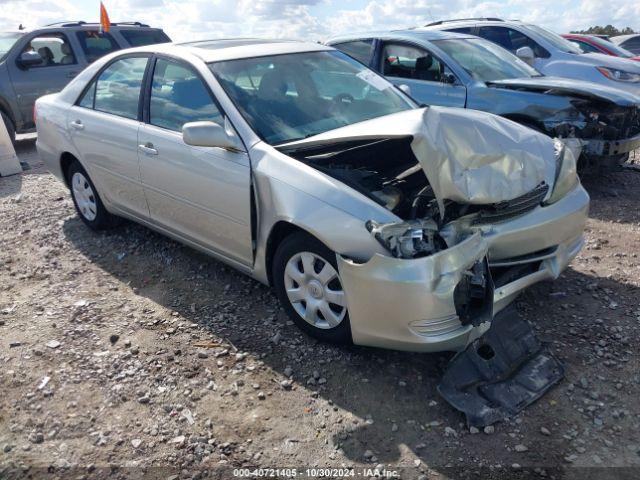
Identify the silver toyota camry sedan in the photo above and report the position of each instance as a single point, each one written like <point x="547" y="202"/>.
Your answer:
<point x="376" y="221"/>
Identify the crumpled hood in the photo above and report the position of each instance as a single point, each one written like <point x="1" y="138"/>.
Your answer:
<point x="578" y="88"/>
<point x="468" y="156"/>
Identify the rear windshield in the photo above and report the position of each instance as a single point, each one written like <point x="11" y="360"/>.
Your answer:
<point x="140" y="38"/>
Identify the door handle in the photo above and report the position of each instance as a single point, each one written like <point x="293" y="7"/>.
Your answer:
<point x="77" y="124"/>
<point x="72" y="74"/>
<point x="148" y="148"/>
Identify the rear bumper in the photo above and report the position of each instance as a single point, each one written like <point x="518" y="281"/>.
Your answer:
<point x="409" y="304"/>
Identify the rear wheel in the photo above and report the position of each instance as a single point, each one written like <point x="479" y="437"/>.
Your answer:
<point x="307" y="282"/>
<point x="86" y="199"/>
<point x="11" y="129"/>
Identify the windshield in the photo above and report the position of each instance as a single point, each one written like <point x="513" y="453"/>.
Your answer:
<point x="555" y="40"/>
<point x="6" y="42"/>
<point x="485" y="61"/>
<point x="294" y="96"/>
<point x="612" y="47"/>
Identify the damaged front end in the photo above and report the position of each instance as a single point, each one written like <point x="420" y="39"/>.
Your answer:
<point x="450" y="176"/>
<point x="473" y="194"/>
<point x="608" y="132"/>
<point x="606" y="122"/>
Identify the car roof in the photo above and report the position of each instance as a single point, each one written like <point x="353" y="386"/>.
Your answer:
<point x="462" y="22"/>
<point x="81" y="25"/>
<point x="233" y="48"/>
<point x="411" y="33"/>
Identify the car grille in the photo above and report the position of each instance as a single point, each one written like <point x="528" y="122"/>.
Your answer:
<point x="503" y="211"/>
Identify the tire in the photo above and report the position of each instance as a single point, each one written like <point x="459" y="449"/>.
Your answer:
<point x="85" y="197"/>
<point x="11" y="129"/>
<point x="297" y="287"/>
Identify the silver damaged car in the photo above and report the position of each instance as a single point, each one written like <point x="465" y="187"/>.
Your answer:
<point x="376" y="222"/>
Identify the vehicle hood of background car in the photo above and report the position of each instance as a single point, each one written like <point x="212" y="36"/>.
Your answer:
<point x="602" y="60"/>
<point x="468" y="156"/>
<point x="572" y="87"/>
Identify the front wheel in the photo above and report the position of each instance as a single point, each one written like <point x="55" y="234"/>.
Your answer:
<point x="308" y="285"/>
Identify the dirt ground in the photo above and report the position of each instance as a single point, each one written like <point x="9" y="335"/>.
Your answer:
<point x="124" y="354"/>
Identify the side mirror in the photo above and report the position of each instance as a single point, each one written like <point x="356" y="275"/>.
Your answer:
<point x="210" y="134"/>
<point x="449" y="79"/>
<point x="525" y="54"/>
<point x="29" y="59"/>
<point x="405" y="89"/>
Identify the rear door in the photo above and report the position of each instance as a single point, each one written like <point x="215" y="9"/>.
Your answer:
<point x="103" y="126"/>
<point x="201" y="194"/>
<point x="431" y="81"/>
<point x="60" y="63"/>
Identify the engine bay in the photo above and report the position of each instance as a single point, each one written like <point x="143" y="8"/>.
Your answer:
<point x="385" y="170"/>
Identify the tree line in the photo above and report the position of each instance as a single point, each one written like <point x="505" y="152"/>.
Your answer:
<point x="609" y="30"/>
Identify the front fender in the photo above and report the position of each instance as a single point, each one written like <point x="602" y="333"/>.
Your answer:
<point x="287" y="190"/>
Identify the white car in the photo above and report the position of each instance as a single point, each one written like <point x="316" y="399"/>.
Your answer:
<point x="548" y="52"/>
<point x="375" y="221"/>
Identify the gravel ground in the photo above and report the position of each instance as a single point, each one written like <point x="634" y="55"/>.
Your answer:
<point x="125" y="354"/>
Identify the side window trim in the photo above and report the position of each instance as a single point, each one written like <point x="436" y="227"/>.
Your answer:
<point x="96" y="76"/>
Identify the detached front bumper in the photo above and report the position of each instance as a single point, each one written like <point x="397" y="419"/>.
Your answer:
<point x="409" y="304"/>
<point x="606" y="148"/>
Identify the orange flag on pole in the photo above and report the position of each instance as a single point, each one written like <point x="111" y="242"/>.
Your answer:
<point x="105" y="23"/>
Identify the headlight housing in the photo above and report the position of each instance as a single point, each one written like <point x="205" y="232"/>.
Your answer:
<point x="566" y="172"/>
<point x="411" y="239"/>
<point x="619" y="75"/>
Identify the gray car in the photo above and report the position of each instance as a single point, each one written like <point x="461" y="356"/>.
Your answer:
<point x="374" y="220"/>
<point x="458" y="70"/>
<point x="44" y="60"/>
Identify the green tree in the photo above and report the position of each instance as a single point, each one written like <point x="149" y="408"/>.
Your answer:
<point x="609" y="30"/>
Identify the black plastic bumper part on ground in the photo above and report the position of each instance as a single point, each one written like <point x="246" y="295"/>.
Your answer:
<point x="500" y="373"/>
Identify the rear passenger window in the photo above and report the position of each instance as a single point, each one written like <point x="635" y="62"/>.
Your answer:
<point x="95" y="44"/>
<point x="140" y="38"/>
<point x="117" y="89"/>
<point x="89" y="97"/>
<point x="360" y="49"/>
<point x="178" y="96"/>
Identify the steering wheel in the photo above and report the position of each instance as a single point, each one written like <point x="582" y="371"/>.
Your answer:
<point x="342" y="101"/>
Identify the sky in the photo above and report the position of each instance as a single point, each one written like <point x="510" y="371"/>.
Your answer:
<point x="314" y="20"/>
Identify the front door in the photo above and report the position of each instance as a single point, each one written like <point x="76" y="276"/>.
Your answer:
<point x="104" y="125"/>
<point x="199" y="193"/>
<point x="60" y="63"/>
<point x="430" y="80"/>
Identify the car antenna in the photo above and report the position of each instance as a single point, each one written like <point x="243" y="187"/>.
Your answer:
<point x="20" y="27"/>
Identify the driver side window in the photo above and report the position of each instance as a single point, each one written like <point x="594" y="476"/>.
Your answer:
<point x="406" y="61"/>
<point x="53" y="48"/>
